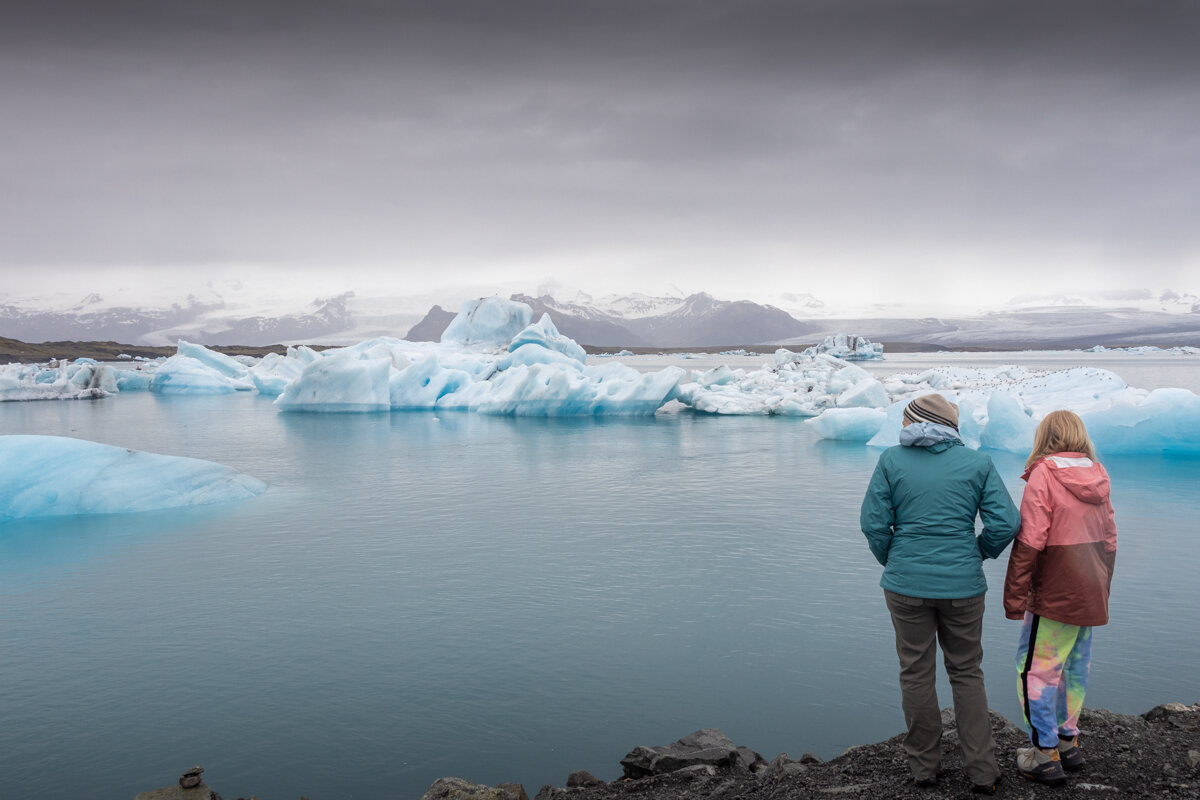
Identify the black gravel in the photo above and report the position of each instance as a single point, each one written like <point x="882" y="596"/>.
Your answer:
<point x="1155" y="755"/>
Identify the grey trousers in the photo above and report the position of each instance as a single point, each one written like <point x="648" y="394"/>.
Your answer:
<point x="957" y="625"/>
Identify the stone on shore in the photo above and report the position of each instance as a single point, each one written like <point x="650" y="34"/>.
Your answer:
<point x="709" y="747"/>
<point x="458" y="789"/>
<point x="191" y="786"/>
<point x="198" y="792"/>
<point x="582" y="778"/>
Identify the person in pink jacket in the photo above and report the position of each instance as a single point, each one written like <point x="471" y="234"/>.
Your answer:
<point x="1059" y="574"/>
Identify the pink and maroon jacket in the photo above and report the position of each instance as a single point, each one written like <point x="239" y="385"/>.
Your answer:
<point x="1061" y="563"/>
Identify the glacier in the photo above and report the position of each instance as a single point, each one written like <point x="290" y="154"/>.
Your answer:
<point x="44" y="476"/>
<point x="495" y="359"/>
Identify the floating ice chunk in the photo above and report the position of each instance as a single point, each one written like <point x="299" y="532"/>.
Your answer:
<point x="545" y="334"/>
<point x="545" y="389"/>
<point x="55" y="476"/>
<point x="341" y="382"/>
<point x="423" y="383"/>
<point x="889" y="432"/>
<point x="56" y="381"/>
<point x="1167" y="421"/>
<point x="784" y="356"/>
<point x="717" y="376"/>
<point x="221" y="363"/>
<point x="848" y="347"/>
<point x="868" y="393"/>
<point x="488" y="321"/>
<point x="133" y="380"/>
<point x="273" y="372"/>
<point x="181" y="374"/>
<point x="848" y="424"/>
<point x="1008" y="426"/>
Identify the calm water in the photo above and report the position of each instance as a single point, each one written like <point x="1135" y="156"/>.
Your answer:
<point x="421" y="595"/>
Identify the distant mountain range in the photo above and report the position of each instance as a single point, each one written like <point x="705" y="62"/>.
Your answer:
<point x="633" y="320"/>
<point x="699" y="321"/>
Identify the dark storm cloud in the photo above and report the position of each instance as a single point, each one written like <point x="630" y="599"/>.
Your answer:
<point x="333" y="133"/>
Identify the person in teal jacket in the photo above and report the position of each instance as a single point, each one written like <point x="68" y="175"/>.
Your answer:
<point x="919" y="519"/>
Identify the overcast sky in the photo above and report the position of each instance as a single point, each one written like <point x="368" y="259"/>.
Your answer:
<point x="959" y="150"/>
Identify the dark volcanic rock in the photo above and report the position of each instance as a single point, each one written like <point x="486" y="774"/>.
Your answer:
<point x="582" y="778"/>
<point x="191" y="778"/>
<point x="710" y="747"/>
<point x="458" y="789"/>
<point x="1154" y="755"/>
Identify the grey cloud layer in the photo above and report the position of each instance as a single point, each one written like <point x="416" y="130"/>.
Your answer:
<point x="395" y="133"/>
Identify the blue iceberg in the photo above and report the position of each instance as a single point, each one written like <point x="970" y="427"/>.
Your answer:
<point x="43" y="476"/>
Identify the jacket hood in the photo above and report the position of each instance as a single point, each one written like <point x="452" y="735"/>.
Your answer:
<point x="1085" y="479"/>
<point x="930" y="435"/>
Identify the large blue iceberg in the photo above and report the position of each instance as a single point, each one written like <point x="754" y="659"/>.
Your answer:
<point x="43" y="476"/>
<point x="491" y="360"/>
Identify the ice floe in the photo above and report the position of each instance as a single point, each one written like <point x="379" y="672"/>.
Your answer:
<point x="57" y="476"/>
<point x="58" y="380"/>
<point x="848" y="347"/>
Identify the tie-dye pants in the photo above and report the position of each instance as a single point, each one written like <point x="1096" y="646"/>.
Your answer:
<point x="1053" y="661"/>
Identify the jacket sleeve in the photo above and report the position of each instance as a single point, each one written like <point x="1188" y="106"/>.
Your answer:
<point x="1017" y="581"/>
<point x="1000" y="517"/>
<point x="1031" y="540"/>
<point x="878" y="515"/>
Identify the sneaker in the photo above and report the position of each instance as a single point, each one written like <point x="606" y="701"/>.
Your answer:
<point x="986" y="788"/>
<point x="1069" y="755"/>
<point x="1040" y="765"/>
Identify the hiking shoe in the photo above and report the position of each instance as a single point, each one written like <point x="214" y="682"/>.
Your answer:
<point x="1042" y="766"/>
<point x="986" y="788"/>
<point x="1069" y="755"/>
<point x="925" y="783"/>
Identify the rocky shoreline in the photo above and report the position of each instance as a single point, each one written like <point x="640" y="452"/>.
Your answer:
<point x="1156" y="754"/>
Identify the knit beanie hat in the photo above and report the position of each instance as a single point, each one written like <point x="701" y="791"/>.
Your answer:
<point x="932" y="408"/>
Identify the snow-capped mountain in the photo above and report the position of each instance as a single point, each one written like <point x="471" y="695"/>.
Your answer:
<point x="230" y="313"/>
<point x="698" y="320"/>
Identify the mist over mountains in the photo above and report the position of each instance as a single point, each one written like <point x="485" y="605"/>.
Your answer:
<point x="632" y="320"/>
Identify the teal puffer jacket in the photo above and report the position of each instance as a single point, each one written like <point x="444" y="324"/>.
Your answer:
<point x="919" y="516"/>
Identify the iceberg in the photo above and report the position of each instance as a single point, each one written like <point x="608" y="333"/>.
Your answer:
<point x="488" y="321"/>
<point x="493" y="359"/>
<point x="848" y="424"/>
<point x="80" y="379"/>
<point x="44" y="476"/>
<point x="848" y="348"/>
<point x="796" y="384"/>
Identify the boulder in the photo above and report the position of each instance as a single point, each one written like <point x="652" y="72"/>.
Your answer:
<point x="704" y="747"/>
<point x="1176" y="714"/>
<point x="458" y="789"/>
<point x="786" y="765"/>
<point x="200" y="792"/>
<point x="582" y="778"/>
<point x="190" y="787"/>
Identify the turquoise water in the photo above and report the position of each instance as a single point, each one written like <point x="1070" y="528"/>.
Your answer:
<point x="421" y="595"/>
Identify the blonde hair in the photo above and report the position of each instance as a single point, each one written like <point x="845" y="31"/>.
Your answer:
<point x="1060" y="432"/>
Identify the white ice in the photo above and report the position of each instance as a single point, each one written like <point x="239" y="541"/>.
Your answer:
<point x="495" y="360"/>
<point x="848" y="347"/>
<point x="58" y="380"/>
<point x="491" y="360"/>
<point x="57" y="476"/>
<point x="1000" y="408"/>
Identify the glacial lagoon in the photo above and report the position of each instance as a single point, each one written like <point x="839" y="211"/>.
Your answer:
<point x="424" y="594"/>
